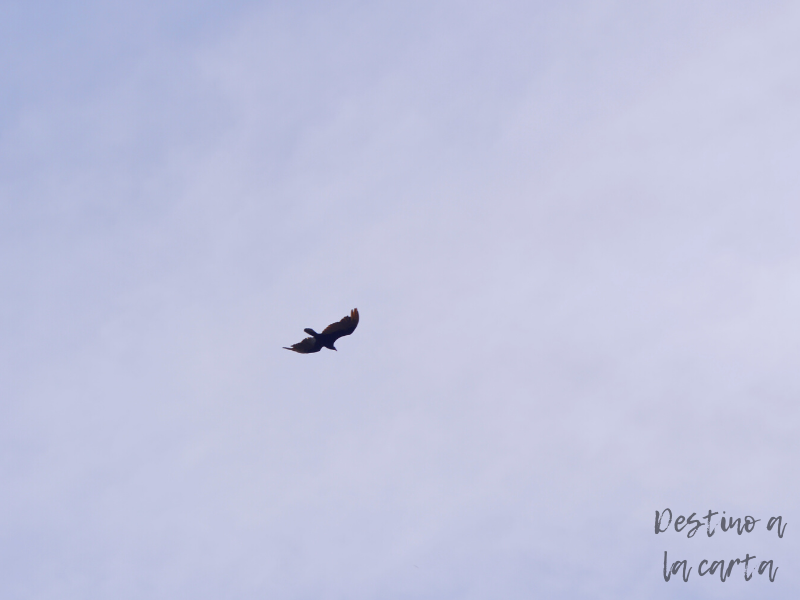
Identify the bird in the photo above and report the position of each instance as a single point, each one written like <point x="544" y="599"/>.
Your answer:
<point x="329" y="335"/>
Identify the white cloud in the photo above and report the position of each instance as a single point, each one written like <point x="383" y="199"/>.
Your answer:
<point x="569" y="234"/>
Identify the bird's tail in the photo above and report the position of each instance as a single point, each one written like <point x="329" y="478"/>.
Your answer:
<point x="310" y="331"/>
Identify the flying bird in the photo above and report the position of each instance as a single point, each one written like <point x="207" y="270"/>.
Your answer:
<point x="329" y="335"/>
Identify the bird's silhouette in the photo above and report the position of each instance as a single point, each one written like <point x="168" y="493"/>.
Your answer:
<point x="329" y="335"/>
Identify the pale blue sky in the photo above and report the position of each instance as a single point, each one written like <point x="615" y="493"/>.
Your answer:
<point x="570" y="230"/>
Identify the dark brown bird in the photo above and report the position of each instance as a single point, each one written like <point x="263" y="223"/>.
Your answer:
<point x="329" y="335"/>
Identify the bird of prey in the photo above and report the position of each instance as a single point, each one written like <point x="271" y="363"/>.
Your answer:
<point x="329" y="335"/>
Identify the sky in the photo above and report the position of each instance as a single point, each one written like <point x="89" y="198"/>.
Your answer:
<point x="570" y="232"/>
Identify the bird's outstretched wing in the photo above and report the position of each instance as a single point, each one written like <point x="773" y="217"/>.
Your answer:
<point x="307" y="346"/>
<point x="344" y="327"/>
